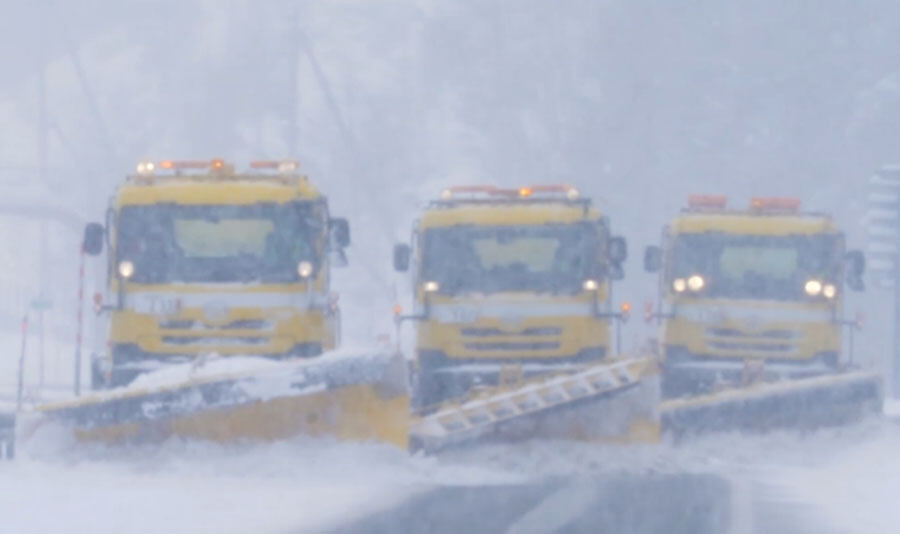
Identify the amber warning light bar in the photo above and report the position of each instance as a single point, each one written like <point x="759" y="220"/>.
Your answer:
<point x="486" y="192"/>
<point x="775" y="204"/>
<point x="148" y="168"/>
<point x="707" y="202"/>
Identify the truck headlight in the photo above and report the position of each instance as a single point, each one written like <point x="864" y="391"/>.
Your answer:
<point x="304" y="269"/>
<point x="679" y="285"/>
<point x="126" y="269"/>
<point x="430" y="287"/>
<point x="590" y="285"/>
<point x="829" y="291"/>
<point x="812" y="287"/>
<point x="696" y="282"/>
<point x="145" y="168"/>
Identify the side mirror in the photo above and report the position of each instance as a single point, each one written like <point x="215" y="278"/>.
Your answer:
<point x="92" y="244"/>
<point x="855" y="265"/>
<point x="401" y="257"/>
<point x="340" y="230"/>
<point x="652" y="259"/>
<point x="618" y="250"/>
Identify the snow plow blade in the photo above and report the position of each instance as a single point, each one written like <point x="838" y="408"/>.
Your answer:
<point x="349" y="396"/>
<point x="609" y="402"/>
<point x="807" y="403"/>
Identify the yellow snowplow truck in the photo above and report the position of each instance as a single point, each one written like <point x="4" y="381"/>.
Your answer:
<point x="206" y="260"/>
<point x="538" y="314"/>
<point x="508" y="284"/>
<point x="755" y="290"/>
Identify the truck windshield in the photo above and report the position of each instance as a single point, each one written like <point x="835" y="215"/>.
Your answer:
<point x="756" y="266"/>
<point x="553" y="258"/>
<point x="220" y="243"/>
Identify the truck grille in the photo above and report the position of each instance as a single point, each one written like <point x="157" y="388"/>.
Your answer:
<point x="241" y="324"/>
<point x="532" y="331"/>
<point x="767" y="341"/>
<point x="769" y="334"/>
<point x="507" y="345"/>
<point x="244" y="341"/>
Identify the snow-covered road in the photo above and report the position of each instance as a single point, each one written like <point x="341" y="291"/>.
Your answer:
<point x="302" y="485"/>
<point x="836" y="481"/>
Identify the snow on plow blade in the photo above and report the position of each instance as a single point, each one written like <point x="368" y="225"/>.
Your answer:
<point x="350" y="396"/>
<point x="612" y="401"/>
<point x="806" y="403"/>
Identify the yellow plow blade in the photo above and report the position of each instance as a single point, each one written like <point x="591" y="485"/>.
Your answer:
<point x="354" y="397"/>
<point x="805" y="403"/>
<point x="610" y="401"/>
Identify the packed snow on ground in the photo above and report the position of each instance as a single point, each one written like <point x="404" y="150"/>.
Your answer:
<point x="188" y="486"/>
<point x="843" y="479"/>
<point x="856" y="490"/>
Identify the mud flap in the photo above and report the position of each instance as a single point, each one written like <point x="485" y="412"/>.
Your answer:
<point x="804" y="404"/>
<point x="349" y="396"/>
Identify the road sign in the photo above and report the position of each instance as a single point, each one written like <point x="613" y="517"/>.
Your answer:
<point x="882" y="223"/>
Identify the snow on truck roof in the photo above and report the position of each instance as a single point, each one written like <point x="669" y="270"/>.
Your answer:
<point x="215" y="182"/>
<point x="491" y="205"/>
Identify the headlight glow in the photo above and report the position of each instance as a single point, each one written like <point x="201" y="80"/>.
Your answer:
<point x="812" y="287"/>
<point x="304" y="269"/>
<point x="679" y="285"/>
<point x="430" y="286"/>
<point x="696" y="282"/>
<point x="590" y="285"/>
<point x="829" y="290"/>
<point x="145" y="168"/>
<point x="126" y="269"/>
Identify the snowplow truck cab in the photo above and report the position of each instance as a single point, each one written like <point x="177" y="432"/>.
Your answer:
<point x="205" y="260"/>
<point x="750" y="292"/>
<point x="508" y="284"/>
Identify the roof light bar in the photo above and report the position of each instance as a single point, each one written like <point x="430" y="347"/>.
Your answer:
<point x="539" y="191"/>
<point x="552" y="188"/>
<point x="264" y="164"/>
<point x="486" y="189"/>
<point x="776" y="204"/>
<point x="176" y="165"/>
<point x="701" y="202"/>
<point x="286" y="166"/>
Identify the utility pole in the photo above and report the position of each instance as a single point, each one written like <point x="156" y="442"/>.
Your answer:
<point x="293" y="59"/>
<point x="42" y="144"/>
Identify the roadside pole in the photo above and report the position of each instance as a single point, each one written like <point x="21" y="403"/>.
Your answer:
<point x="40" y="306"/>
<point x="21" y="381"/>
<point x="79" y="321"/>
<point x="895" y="363"/>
